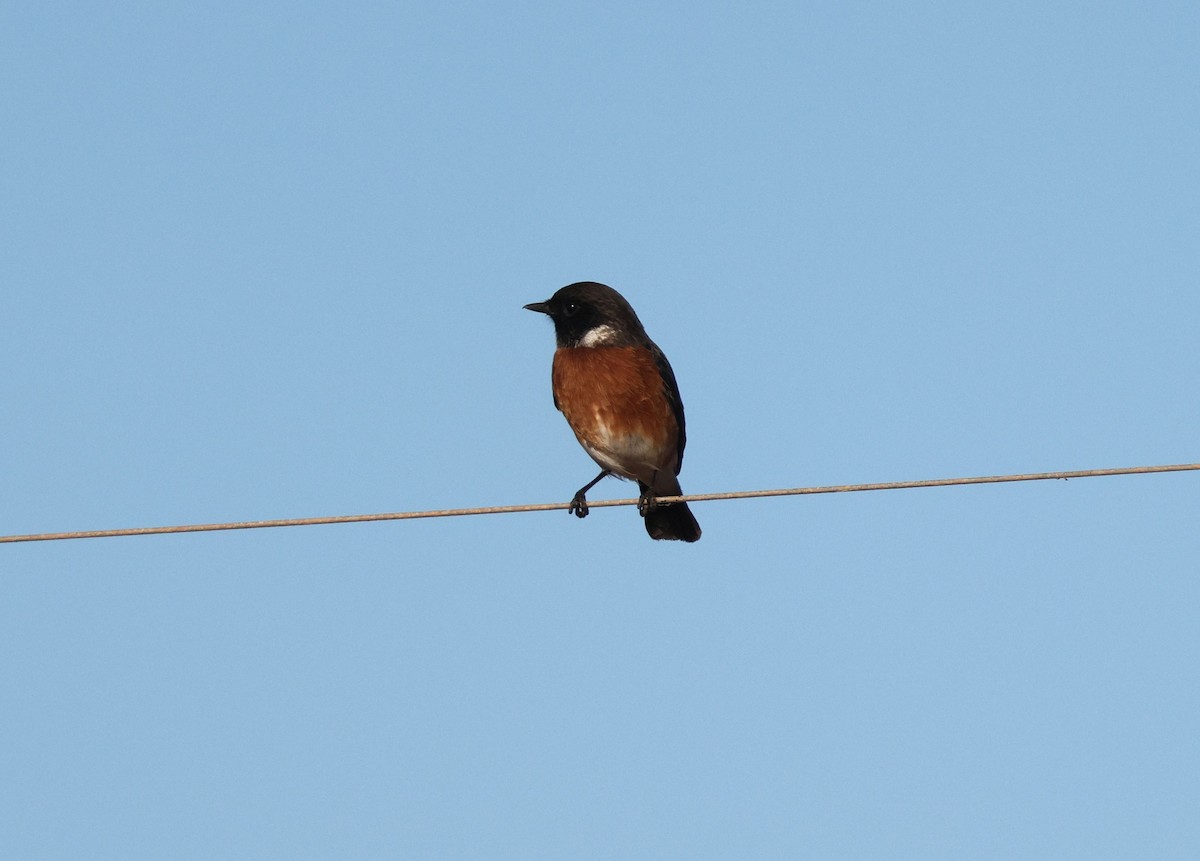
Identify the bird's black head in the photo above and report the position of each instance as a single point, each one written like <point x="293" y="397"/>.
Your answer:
<point x="588" y="314"/>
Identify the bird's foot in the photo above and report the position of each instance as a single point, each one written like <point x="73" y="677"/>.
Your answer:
<point x="578" y="506"/>
<point x="646" y="502"/>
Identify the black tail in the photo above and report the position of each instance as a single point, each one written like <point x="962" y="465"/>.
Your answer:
<point x="672" y="522"/>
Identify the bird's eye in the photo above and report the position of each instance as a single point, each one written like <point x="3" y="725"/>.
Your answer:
<point x="572" y="309"/>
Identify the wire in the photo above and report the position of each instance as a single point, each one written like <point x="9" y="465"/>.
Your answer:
<point x="559" y="506"/>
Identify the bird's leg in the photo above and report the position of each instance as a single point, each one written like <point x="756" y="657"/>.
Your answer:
<point x="646" y="498"/>
<point x="579" y="506"/>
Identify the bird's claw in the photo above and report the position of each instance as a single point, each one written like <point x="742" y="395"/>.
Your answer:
<point x="578" y="506"/>
<point x="646" y="503"/>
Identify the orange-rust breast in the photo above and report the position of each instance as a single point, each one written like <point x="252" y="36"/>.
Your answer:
<point x="615" y="400"/>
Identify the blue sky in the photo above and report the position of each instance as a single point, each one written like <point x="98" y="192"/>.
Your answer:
<point x="268" y="260"/>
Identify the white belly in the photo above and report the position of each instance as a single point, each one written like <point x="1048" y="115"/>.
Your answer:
<point x="628" y="455"/>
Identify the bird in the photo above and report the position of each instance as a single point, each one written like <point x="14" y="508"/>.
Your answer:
<point x="618" y="393"/>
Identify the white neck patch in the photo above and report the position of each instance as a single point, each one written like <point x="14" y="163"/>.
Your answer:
<point x="603" y="334"/>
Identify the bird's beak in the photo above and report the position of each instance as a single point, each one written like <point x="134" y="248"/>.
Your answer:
<point x="540" y="307"/>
